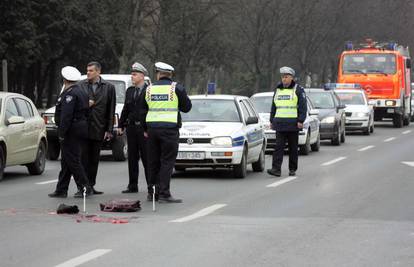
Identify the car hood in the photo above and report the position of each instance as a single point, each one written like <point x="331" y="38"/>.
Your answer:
<point x="356" y="108"/>
<point x="323" y="113"/>
<point x="210" y="129"/>
<point x="118" y="109"/>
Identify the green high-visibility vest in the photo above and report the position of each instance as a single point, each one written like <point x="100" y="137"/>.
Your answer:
<point x="286" y="102"/>
<point x="162" y="103"/>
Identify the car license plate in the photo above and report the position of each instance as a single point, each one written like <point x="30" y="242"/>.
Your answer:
<point x="271" y="135"/>
<point x="390" y="110"/>
<point x="191" y="155"/>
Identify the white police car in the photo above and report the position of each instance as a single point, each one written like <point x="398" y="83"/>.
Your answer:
<point x="309" y="137"/>
<point x="221" y="131"/>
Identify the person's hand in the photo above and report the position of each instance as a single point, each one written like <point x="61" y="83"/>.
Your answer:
<point x="300" y="125"/>
<point x="145" y="134"/>
<point x="120" y="131"/>
<point x="91" y="103"/>
<point x="108" y="136"/>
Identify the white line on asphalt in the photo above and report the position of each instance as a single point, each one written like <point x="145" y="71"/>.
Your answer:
<point x="200" y="213"/>
<point x="406" y="132"/>
<point x="409" y="163"/>
<point x="283" y="181"/>
<point x="84" y="258"/>
<point x="365" y="148"/>
<point x="48" y="182"/>
<point x="333" y="161"/>
<point x="389" y="139"/>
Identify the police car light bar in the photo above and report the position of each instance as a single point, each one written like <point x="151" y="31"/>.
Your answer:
<point x="332" y="86"/>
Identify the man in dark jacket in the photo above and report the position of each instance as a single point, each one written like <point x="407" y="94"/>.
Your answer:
<point x="130" y="120"/>
<point x="102" y="101"/>
<point x="161" y="120"/>
<point x="289" y="109"/>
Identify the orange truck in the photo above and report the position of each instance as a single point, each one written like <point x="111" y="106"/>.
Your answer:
<point x="383" y="70"/>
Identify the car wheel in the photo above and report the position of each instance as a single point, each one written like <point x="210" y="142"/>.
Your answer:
<point x="407" y="120"/>
<point x="367" y="131"/>
<point x="316" y="146"/>
<point x="371" y="129"/>
<point x="343" y="136"/>
<point x="53" y="150"/>
<point x="306" y="148"/>
<point x="38" y="166"/>
<point x="397" y="121"/>
<point x="240" y="170"/>
<point x="336" y="141"/>
<point x="120" y="148"/>
<point x="259" y="165"/>
<point x="2" y="162"/>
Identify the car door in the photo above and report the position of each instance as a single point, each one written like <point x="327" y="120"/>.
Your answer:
<point x="14" y="134"/>
<point x="31" y="128"/>
<point x="254" y="132"/>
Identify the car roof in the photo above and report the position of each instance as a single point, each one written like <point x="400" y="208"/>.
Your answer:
<point x="218" y="97"/>
<point x="5" y="94"/>
<point x="350" y="91"/>
<point x="317" y="90"/>
<point x="263" y="94"/>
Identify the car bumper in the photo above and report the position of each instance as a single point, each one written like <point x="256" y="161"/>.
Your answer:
<point x="271" y="139"/>
<point x="328" y="131"/>
<point x="356" y="123"/>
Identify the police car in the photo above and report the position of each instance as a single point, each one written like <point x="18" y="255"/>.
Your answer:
<point x="221" y="131"/>
<point x="359" y="113"/>
<point x="117" y="144"/>
<point x="309" y="137"/>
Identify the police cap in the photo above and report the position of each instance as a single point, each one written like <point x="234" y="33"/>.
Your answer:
<point x="287" y="70"/>
<point x="163" y="67"/>
<point x="137" y="67"/>
<point x="70" y="73"/>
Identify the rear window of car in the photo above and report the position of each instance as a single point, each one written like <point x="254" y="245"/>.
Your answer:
<point x="212" y="110"/>
<point x="348" y="98"/>
<point x="263" y="104"/>
<point x="322" y="100"/>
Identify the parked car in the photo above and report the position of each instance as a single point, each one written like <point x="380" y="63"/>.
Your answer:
<point x="221" y="131"/>
<point x="22" y="134"/>
<point x="331" y="114"/>
<point x="309" y="137"/>
<point x="117" y="144"/>
<point x="359" y="114"/>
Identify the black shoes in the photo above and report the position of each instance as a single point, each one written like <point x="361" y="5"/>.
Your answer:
<point x="149" y="197"/>
<point x="128" y="191"/>
<point x="274" y="172"/>
<point x="79" y="194"/>
<point x="292" y="173"/>
<point x="58" y="195"/>
<point x="96" y="192"/>
<point x="170" y="199"/>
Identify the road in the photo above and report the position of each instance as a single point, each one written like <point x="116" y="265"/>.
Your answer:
<point x="348" y="206"/>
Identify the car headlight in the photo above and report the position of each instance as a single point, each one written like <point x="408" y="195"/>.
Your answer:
<point x="330" y="119"/>
<point x="225" y="141"/>
<point x="361" y="114"/>
<point x="49" y="119"/>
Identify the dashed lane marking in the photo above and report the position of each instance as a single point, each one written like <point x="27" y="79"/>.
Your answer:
<point x="406" y="132"/>
<point x="200" y="213"/>
<point x="333" y="161"/>
<point x="47" y="182"/>
<point x="84" y="258"/>
<point x="389" y="139"/>
<point x="409" y="163"/>
<point x="283" y="181"/>
<point x="365" y="148"/>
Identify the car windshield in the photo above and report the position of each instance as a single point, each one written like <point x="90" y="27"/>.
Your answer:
<point x="212" y="110"/>
<point x="349" y="98"/>
<point x="120" y="89"/>
<point x="369" y="63"/>
<point x="262" y="104"/>
<point x="321" y="100"/>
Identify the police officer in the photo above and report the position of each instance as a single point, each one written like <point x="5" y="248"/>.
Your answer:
<point x="130" y="120"/>
<point x="287" y="115"/>
<point x="70" y="116"/>
<point x="161" y="121"/>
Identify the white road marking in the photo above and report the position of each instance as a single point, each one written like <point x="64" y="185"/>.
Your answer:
<point x="333" y="161"/>
<point x="48" y="182"/>
<point x="84" y="258"/>
<point x="283" y="181"/>
<point x="406" y="132"/>
<point x="409" y="163"/>
<point x="200" y="213"/>
<point x="365" y="148"/>
<point x="389" y="139"/>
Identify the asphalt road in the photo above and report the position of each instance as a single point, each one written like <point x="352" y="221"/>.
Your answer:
<point x="348" y="206"/>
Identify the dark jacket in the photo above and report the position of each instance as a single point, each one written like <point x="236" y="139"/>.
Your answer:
<point x="287" y="124"/>
<point x="131" y="110"/>
<point x="101" y="114"/>
<point x="184" y="105"/>
<point x="71" y="112"/>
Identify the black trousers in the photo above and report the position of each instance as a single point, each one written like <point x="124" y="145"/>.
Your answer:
<point x="292" y="139"/>
<point x="163" y="143"/>
<point x="137" y="148"/>
<point x="90" y="159"/>
<point x="71" y="164"/>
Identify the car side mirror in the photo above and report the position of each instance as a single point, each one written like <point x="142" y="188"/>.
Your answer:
<point x="313" y="112"/>
<point x="341" y="106"/>
<point x="252" y="120"/>
<point x="14" y="120"/>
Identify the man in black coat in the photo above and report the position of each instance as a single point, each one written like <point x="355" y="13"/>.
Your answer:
<point x="130" y="120"/>
<point x="102" y="101"/>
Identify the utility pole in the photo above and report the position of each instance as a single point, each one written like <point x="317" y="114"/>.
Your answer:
<point x="4" y="68"/>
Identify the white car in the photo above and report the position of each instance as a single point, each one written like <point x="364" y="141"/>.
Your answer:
<point x="221" y="131"/>
<point x="22" y="134"/>
<point x="309" y="137"/>
<point x="412" y="101"/>
<point x="359" y="113"/>
<point x="117" y="144"/>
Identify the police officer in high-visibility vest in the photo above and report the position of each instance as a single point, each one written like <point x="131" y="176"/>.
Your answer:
<point x="161" y="120"/>
<point x="287" y="116"/>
